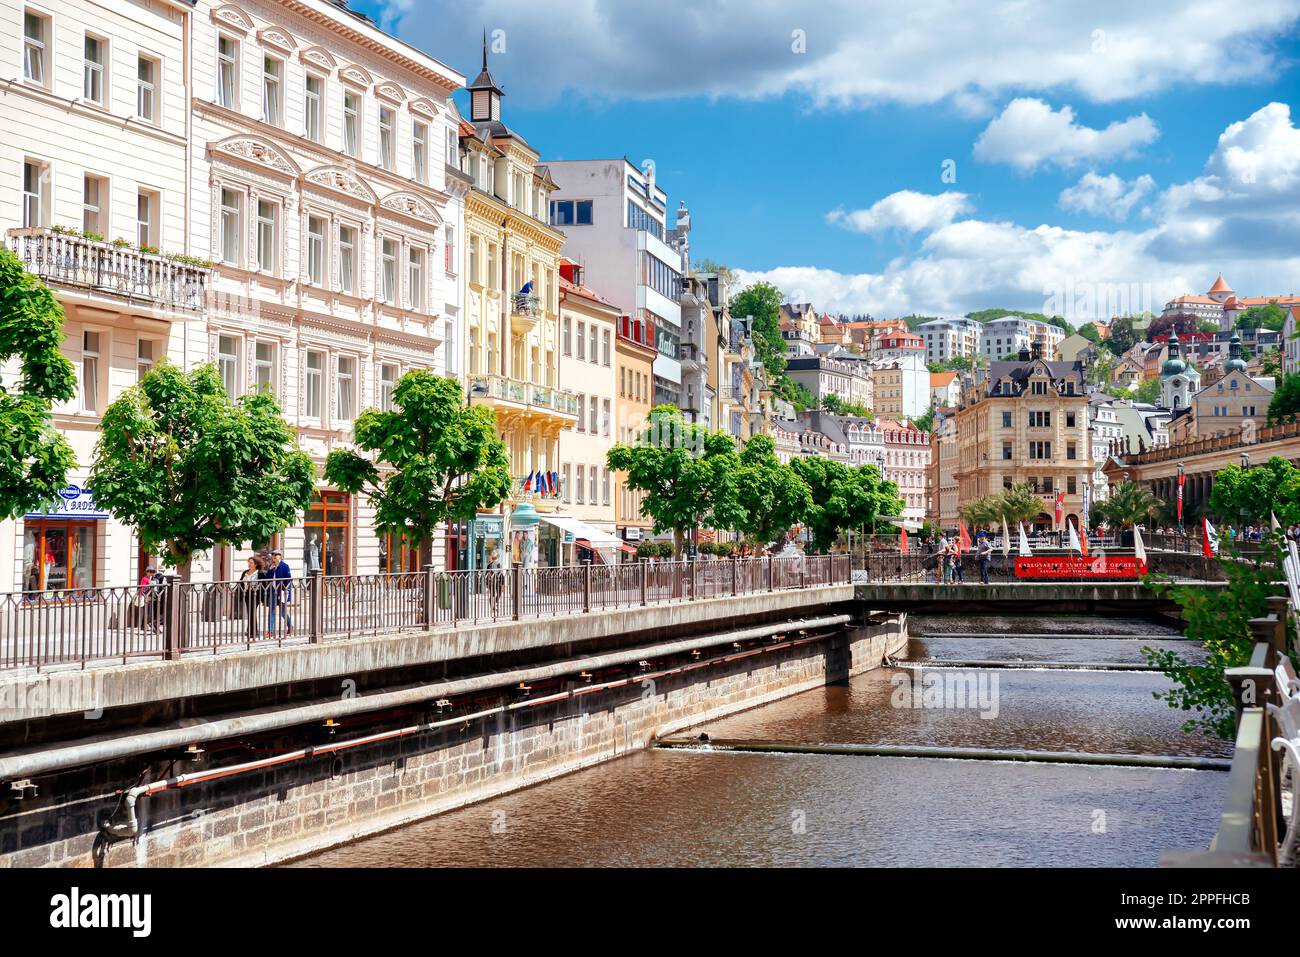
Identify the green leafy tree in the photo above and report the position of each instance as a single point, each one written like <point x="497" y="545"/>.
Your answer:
<point x="1128" y="504"/>
<point x="1100" y="369"/>
<point x="1218" y="621"/>
<point x="844" y="497"/>
<point x="985" y="512"/>
<point x="431" y="458"/>
<point x="925" y="421"/>
<point x="762" y="300"/>
<point x="34" y="458"/>
<point x="1286" y="399"/>
<point x="836" y="406"/>
<point x="1270" y="363"/>
<point x="1120" y="392"/>
<point x="1148" y="390"/>
<point x="1251" y="494"/>
<point x="1089" y="332"/>
<point x="772" y="496"/>
<point x="1123" y="336"/>
<point x="190" y="468"/>
<point x="1271" y="316"/>
<point x="690" y="475"/>
<point x="1020" y="503"/>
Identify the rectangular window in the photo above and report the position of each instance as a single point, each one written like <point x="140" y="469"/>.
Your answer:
<point x="594" y="412"/>
<point x="474" y="276"/>
<point x="449" y="248"/>
<point x="580" y="486"/>
<point x="604" y="348"/>
<point x="591" y="476"/>
<point x="94" y="196"/>
<point x="1069" y="450"/>
<point x="1069" y="420"/>
<point x="566" y="483"/>
<point x="313" y="98"/>
<point x="581" y="351"/>
<point x="386" y="134"/>
<point x="313" y="385"/>
<point x="347" y="258"/>
<point x="92" y="87"/>
<point x="144" y="358"/>
<point x="316" y="250"/>
<point x="351" y="122"/>
<point x="90" y="356"/>
<point x="344" y="388"/>
<point x="146" y="88"/>
<point x="228" y="363"/>
<point x="227" y="72"/>
<point x="1070" y="485"/>
<point x="232" y="205"/>
<point x="415" y="278"/>
<point x="146" y="219"/>
<point x="419" y="152"/>
<point x="264" y="366"/>
<point x="36" y="33"/>
<point x="582" y="407"/>
<point x="1006" y="451"/>
<point x="388" y="271"/>
<point x="271" y="71"/>
<point x="387" y="382"/>
<point x="266" y="234"/>
<point x="605" y="417"/>
<point x="568" y="336"/>
<point x="1006" y="420"/>
<point x="34" y="195"/>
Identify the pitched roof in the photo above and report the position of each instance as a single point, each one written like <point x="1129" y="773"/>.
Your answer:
<point x="938" y="379"/>
<point x="1219" y="286"/>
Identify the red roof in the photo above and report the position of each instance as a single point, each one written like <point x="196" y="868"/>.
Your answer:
<point x="1219" y="286"/>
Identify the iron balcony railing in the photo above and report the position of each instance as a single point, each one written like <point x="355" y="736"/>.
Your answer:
<point x="523" y="304"/>
<point x="526" y="393"/>
<point x="69" y="260"/>
<point x="174" y="619"/>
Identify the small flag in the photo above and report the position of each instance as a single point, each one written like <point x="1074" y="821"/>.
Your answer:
<point x="1006" y="537"/>
<point x="1181" y="479"/>
<point x="1025" y="550"/>
<point x="1272" y="517"/>
<point x="963" y="538"/>
<point x="528" y="482"/>
<point x="1060" y="508"/>
<point x="1209" y="539"/>
<point x="902" y="541"/>
<point x="1139" y="550"/>
<point x="1074" y="539"/>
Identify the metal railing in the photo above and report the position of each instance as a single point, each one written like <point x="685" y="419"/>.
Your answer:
<point x="919" y="567"/>
<point x="523" y="304"/>
<point x="61" y="258"/>
<point x="80" y="627"/>
<point x="527" y="393"/>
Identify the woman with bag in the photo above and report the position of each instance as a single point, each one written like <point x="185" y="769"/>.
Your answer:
<point x="252" y="592"/>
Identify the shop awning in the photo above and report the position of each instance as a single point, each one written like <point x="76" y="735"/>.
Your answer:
<point x="598" y="538"/>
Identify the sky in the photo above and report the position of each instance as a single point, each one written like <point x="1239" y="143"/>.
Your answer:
<point x="932" y="157"/>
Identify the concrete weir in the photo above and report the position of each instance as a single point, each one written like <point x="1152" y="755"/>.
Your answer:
<point x="229" y="761"/>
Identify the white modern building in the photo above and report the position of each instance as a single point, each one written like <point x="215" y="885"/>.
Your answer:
<point x="614" y="218"/>
<point x="950" y="338"/>
<point x="1012" y="334"/>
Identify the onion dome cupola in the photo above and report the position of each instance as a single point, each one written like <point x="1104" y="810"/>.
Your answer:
<point x="1174" y="364"/>
<point x="1235" y="362"/>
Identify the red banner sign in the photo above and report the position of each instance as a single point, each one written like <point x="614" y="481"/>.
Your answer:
<point x="1080" y="566"/>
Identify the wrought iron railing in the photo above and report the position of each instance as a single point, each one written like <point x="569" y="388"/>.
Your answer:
<point x="65" y="259"/>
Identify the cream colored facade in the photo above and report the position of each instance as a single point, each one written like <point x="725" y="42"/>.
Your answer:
<point x="589" y="327"/>
<point x="319" y="157"/>
<point x="1029" y="423"/>
<point x="93" y="113"/>
<point x="634" y="353"/>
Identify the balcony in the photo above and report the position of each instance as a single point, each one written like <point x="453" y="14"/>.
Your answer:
<point x="640" y="331"/>
<point x="536" y="491"/>
<point x="121" y="273"/>
<point x="525" y="310"/>
<point x="526" y="398"/>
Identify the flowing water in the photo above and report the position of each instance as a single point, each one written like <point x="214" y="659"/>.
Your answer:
<point x="733" y="808"/>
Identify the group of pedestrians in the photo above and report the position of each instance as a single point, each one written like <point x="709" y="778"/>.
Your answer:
<point x="949" y="565"/>
<point x="267" y="583"/>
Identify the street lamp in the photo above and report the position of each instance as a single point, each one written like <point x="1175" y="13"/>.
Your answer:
<point x="1179" y="493"/>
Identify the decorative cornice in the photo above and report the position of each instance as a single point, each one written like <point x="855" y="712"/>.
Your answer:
<point x="341" y="180"/>
<point x="277" y="37"/>
<point x="257" y="151"/>
<point x="390" y="91"/>
<point x="231" y="16"/>
<point x="319" y="56"/>
<point x="356" y="75"/>
<point x="408" y="204"/>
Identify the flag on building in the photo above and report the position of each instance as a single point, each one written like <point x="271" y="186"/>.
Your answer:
<point x="902" y="541"/>
<point x="963" y="538"/>
<point x="1139" y="550"/>
<point x="1209" y="539"/>
<point x="1075" y="542"/>
<point x="1060" y="507"/>
<point x="1181" y="479"/>
<point x="1006" y="537"/>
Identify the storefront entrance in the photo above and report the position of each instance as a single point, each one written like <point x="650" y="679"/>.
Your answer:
<point x="58" y="554"/>
<point x="327" y="534"/>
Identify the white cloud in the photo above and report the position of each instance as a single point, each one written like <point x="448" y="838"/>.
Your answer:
<point x="967" y="51"/>
<point x="1242" y="225"/>
<point x="1109" y="196"/>
<point x="1029" y="133"/>
<point x="906" y="210"/>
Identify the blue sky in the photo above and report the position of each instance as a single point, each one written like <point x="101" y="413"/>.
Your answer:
<point x="1094" y="144"/>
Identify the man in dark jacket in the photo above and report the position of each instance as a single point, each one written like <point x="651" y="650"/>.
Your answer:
<point x="281" y="592"/>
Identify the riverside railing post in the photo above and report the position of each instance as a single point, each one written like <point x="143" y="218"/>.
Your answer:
<point x="586" y="587"/>
<point x="171" y="619"/>
<point x="316" y="586"/>
<point x="735" y="575"/>
<point x="645" y="573"/>
<point x="428" y="595"/>
<point x="516" y="592"/>
<point x="695" y="578"/>
<point x="771" y="573"/>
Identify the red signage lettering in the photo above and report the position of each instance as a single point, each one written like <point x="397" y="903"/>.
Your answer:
<point x="1080" y="566"/>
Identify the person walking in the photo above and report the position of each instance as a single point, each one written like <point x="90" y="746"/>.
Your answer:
<point x="151" y="597"/>
<point x="984" y="552"/>
<point x="955" y="548"/>
<point x="281" y="593"/>
<point x="496" y="579"/>
<point x="252" y="592"/>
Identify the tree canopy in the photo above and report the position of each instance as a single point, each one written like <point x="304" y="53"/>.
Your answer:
<point x="762" y="301"/>
<point x="1148" y="390"/>
<point x="690" y="475"/>
<point x="191" y="468"/>
<point x="1270" y="316"/>
<point x="1128" y="504"/>
<point x="1016" y="504"/>
<point x="34" y="458"/>
<point x="844" y="497"/>
<point x="772" y="496"/>
<point x="431" y="458"/>
<point x="1251" y="494"/>
<point x="1286" y="399"/>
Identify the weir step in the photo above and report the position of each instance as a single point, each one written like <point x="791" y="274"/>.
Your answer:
<point x="1028" y="665"/>
<point x="1167" y="761"/>
<point x="930" y="635"/>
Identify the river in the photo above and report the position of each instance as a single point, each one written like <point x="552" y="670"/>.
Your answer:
<point x="701" y="807"/>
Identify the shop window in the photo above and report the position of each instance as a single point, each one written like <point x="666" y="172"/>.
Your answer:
<point x="397" y="554"/>
<point x="326" y="530"/>
<point x="58" y="555"/>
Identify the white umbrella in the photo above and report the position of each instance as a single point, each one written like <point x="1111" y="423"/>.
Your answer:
<point x="1139" y="550"/>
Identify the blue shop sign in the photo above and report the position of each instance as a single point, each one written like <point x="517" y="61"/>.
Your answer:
<point x="74" y="501"/>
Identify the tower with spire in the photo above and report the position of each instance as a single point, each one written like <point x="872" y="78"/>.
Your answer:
<point x="484" y="94"/>
<point x="1179" y="380"/>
